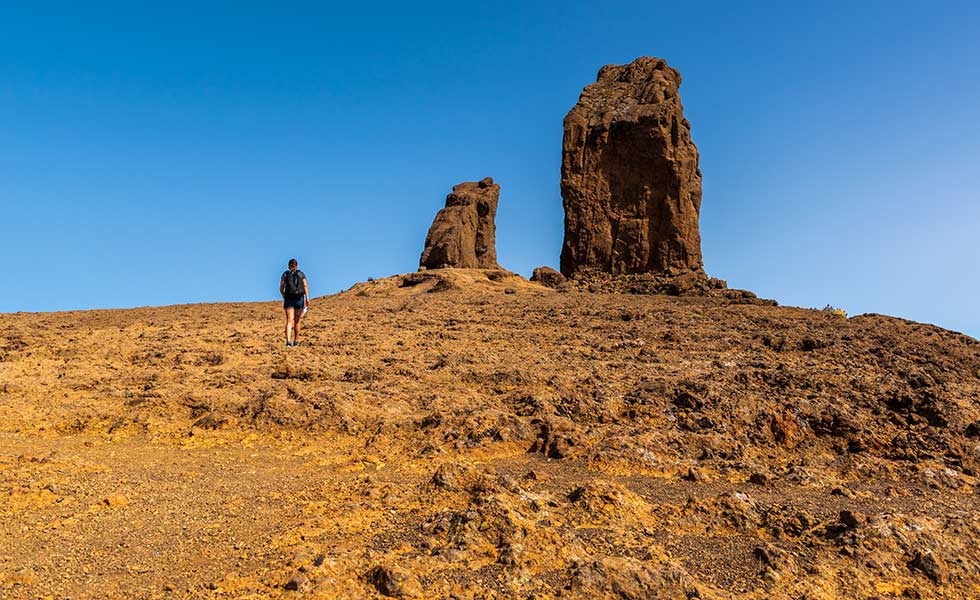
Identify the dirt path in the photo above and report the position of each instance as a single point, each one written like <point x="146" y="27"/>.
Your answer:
<point x="128" y="517"/>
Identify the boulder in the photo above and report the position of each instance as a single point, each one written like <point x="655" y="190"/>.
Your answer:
<point x="547" y="276"/>
<point x="394" y="581"/>
<point x="630" y="180"/>
<point x="463" y="234"/>
<point x="929" y="565"/>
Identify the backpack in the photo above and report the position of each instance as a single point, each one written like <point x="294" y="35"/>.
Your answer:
<point x="294" y="282"/>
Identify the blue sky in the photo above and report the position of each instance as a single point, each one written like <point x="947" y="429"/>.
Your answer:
<point x="183" y="152"/>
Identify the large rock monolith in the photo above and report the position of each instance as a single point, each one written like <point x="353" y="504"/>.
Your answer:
<point x="630" y="180"/>
<point x="463" y="234"/>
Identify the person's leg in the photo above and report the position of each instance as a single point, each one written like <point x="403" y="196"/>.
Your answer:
<point x="297" y="317"/>
<point x="290" y="312"/>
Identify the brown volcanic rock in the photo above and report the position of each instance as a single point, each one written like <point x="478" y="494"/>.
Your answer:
<point x="548" y="277"/>
<point x="629" y="177"/>
<point x="463" y="234"/>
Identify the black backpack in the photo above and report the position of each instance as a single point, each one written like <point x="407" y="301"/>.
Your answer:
<point x="294" y="282"/>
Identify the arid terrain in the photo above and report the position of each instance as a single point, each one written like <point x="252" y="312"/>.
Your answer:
<point x="469" y="434"/>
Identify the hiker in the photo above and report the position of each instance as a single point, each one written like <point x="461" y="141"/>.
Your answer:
<point x="295" y="299"/>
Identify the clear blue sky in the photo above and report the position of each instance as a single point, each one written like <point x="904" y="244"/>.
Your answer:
<point x="183" y="152"/>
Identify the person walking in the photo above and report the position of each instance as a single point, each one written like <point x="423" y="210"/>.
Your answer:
<point x="295" y="299"/>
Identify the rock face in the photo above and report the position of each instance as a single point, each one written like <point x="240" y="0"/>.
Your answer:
<point x="463" y="234"/>
<point x="629" y="177"/>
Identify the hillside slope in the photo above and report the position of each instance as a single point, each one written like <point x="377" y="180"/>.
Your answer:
<point x="487" y="438"/>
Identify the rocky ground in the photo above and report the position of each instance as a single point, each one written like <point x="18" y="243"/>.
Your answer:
<point x="473" y="435"/>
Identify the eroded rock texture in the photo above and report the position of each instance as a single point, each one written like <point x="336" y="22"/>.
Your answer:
<point x="548" y="277"/>
<point x="463" y="234"/>
<point x="630" y="179"/>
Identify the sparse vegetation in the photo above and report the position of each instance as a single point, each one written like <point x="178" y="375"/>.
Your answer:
<point x="839" y="312"/>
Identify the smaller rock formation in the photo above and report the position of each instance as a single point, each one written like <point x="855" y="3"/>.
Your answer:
<point x="463" y="234"/>
<point x="547" y="276"/>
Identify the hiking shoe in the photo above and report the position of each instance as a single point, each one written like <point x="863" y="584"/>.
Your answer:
<point x="296" y="343"/>
<point x="288" y="344"/>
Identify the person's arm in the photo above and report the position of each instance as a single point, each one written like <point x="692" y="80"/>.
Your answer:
<point x="306" y="292"/>
<point x="282" y="286"/>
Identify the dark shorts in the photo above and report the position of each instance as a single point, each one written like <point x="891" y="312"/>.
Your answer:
<point x="290" y="301"/>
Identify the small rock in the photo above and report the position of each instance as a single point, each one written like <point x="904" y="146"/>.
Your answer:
<point x="510" y="291"/>
<point x="299" y="583"/>
<point x="115" y="500"/>
<point x="450" y="555"/>
<point x="759" y="479"/>
<point x="301" y="557"/>
<point x="450" y="476"/>
<point x="786" y="430"/>
<point x="213" y="421"/>
<point x="394" y="581"/>
<point x="929" y="565"/>
<point x="853" y="519"/>
<point x="694" y="474"/>
<point x="24" y="576"/>
<point x="768" y="555"/>
<point x="512" y="555"/>
<point x="284" y="371"/>
<point x="648" y="355"/>
<point x="509" y="483"/>
<point x="557" y="438"/>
